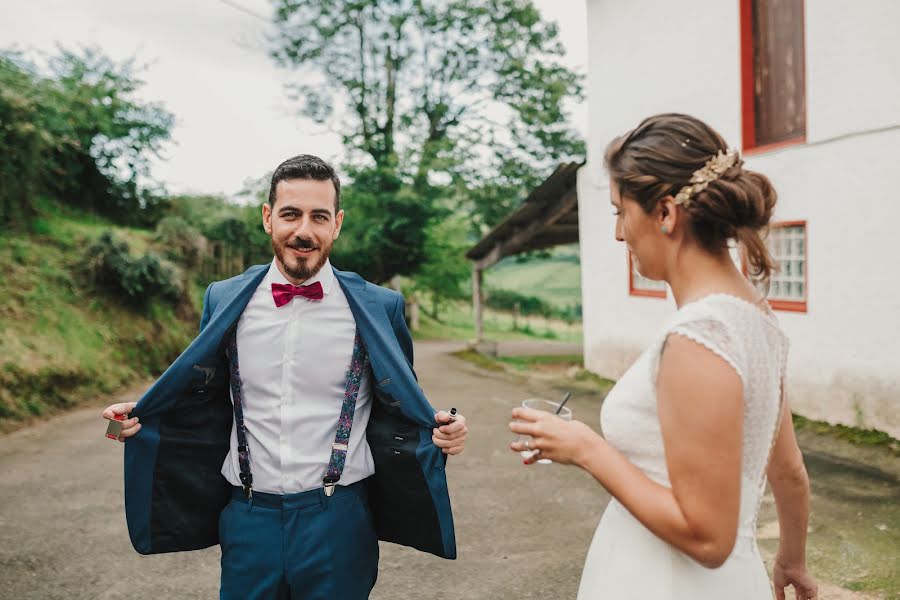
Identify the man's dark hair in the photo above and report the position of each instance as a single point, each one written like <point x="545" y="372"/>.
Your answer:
<point x="306" y="166"/>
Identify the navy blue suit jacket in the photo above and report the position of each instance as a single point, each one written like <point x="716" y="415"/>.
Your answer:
<point x="174" y="489"/>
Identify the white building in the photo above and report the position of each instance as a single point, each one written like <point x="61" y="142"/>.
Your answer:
<point x="822" y="120"/>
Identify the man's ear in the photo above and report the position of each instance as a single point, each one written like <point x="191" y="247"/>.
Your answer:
<point x="338" y="222"/>
<point x="267" y="217"/>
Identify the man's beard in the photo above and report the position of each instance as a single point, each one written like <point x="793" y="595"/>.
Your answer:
<point x="299" y="269"/>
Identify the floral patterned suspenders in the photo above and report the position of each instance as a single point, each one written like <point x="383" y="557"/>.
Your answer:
<point x="358" y="364"/>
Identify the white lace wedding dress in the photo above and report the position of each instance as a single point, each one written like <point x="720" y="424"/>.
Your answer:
<point x="625" y="559"/>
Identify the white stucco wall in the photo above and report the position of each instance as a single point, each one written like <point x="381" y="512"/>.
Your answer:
<point x="852" y="66"/>
<point x="845" y="353"/>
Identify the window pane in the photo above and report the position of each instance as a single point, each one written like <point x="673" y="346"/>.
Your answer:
<point x="779" y="70"/>
<point x="786" y="245"/>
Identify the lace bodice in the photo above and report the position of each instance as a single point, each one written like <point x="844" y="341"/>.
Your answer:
<point x="751" y="341"/>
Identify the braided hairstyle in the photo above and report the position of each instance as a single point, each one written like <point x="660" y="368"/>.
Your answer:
<point x="657" y="159"/>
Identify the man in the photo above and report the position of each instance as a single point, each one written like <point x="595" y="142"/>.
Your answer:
<point x="292" y="430"/>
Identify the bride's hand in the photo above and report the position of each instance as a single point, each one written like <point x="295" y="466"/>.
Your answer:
<point x="795" y="574"/>
<point x="561" y="441"/>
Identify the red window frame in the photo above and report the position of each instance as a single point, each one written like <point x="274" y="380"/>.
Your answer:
<point x="748" y="104"/>
<point x="633" y="291"/>
<point x="799" y="306"/>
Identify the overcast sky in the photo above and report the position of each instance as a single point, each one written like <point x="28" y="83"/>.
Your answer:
<point x="208" y="66"/>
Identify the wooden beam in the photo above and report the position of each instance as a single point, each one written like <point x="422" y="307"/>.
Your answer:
<point x="544" y="198"/>
<point x="563" y="231"/>
<point x="490" y="259"/>
<point x="548" y="241"/>
<point x="478" y="301"/>
<point x="518" y="241"/>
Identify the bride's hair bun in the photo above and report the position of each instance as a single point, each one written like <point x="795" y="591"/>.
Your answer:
<point x="681" y="156"/>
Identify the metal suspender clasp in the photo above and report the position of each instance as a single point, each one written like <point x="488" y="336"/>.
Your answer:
<point x="247" y="481"/>
<point x="328" y="483"/>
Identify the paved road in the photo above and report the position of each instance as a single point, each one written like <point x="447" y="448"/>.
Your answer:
<point x="522" y="531"/>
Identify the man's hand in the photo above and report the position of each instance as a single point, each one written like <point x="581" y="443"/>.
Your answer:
<point x="129" y="426"/>
<point x="449" y="437"/>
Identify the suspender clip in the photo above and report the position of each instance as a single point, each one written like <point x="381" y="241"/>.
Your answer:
<point x="329" y="482"/>
<point x="247" y="481"/>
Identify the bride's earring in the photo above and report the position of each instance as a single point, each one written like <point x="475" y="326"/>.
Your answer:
<point x="665" y="229"/>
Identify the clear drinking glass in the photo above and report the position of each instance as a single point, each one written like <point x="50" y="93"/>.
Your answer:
<point x="548" y="406"/>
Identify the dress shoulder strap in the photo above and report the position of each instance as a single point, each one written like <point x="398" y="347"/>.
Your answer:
<point x="712" y="326"/>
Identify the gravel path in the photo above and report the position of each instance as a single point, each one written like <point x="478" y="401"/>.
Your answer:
<point x="522" y="531"/>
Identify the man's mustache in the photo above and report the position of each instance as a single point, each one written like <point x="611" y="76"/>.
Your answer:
<point x="302" y="244"/>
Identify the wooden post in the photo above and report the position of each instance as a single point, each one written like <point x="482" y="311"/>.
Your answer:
<point x="478" y="302"/>
<point x="412" y="312"/>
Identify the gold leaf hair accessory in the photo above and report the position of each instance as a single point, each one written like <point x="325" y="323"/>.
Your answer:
<point x="705" y="175"/>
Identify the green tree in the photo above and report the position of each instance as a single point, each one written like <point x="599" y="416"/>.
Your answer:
<point x="77" y="131"/>
<point x="386" y="226"/>
<point x="22" y="141"/>
<point x="453" y="101"/>
<point x="445" y="268"/>
<point x="110" y="131"/>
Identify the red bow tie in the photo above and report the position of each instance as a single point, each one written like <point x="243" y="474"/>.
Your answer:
<point x="285" y="292"/>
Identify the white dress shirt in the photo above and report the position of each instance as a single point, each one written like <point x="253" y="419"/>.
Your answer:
<point x="293" y="363"/>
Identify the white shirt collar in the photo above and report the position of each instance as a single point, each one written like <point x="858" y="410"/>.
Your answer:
<point x="325" y="276"/>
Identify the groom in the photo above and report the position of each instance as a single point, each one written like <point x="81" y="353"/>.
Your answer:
<point x="292" y="431"/>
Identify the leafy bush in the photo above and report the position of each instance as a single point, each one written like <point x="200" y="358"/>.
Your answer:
<point x="501" y="299"/>
<point x="182" y="243"/>
<point x="137" y="281"/>
<point x="230" y="230"/>
<point x="508" y="300"/>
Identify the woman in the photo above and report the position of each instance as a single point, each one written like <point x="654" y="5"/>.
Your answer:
<point x="699" y="420"/>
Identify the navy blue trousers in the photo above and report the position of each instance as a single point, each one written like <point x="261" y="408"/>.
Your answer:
<point x="298" y="546"/>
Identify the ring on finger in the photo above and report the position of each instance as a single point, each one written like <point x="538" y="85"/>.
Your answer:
<point x="528" y="444"/>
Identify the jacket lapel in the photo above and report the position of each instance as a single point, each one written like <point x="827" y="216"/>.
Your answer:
<point x="205" y="349"/>
<point x="392" y="372"/>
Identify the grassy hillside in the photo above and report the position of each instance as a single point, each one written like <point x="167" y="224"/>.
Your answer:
<point x="61" y="340"/>
<point x="555" y="280"/>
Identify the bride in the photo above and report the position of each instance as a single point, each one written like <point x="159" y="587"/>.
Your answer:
<point x="699" y="421"/>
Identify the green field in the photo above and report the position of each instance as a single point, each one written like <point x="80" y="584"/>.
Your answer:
<point x="456" y="323"/>
<point x="555" y="280"/>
